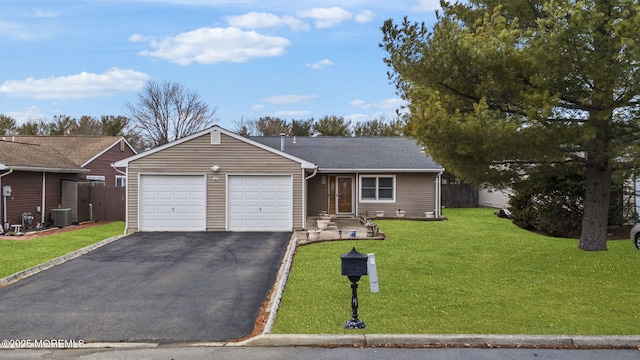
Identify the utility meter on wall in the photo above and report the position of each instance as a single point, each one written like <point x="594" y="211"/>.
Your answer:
<point x="6" y="191"/>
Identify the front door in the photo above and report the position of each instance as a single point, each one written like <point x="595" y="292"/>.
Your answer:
<point x="344" y="194"/>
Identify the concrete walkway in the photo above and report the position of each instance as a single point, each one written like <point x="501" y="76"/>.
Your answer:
<point x="347" y="228"/>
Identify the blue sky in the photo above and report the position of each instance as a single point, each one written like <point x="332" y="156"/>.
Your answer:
<point x="246" y="58"/>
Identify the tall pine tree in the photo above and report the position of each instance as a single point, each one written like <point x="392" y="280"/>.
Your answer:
<point x="497" y="90"/>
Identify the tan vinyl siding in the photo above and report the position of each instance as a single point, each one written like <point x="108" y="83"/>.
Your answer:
<point x="415" y="194"/>
<point x="318" y="199"/>
<point x="197" y="156"/>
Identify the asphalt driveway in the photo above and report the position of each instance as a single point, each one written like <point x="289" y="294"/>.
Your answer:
<point x="162" y="287"/>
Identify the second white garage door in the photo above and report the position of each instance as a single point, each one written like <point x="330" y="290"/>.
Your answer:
<point x="260" y="203"/>
<point x="172" y="203"/>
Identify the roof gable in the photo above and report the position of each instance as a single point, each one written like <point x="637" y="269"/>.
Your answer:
<point x="303" y="163"/>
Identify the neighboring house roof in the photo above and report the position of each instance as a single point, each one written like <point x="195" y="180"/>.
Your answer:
<point x="54" y="153"/>
<point x="33" y="157"/>
<point x="356" y="153"/>
<point x="305" y="164"/>
<point x="79" y="149"/>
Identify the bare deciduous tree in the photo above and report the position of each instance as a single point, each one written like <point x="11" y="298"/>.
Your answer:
<point x="167" y="111"/>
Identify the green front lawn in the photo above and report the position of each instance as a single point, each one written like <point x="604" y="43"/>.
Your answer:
<point x="18" y="255"/>
<point x="475" y="273"/>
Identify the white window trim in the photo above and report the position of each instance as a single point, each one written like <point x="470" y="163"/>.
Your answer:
<point x="124" y="177"/>
<point x="377" y="176"/>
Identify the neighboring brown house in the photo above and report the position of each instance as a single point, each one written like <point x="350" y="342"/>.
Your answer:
<point x="216" y="180"/>
<point x="41" y="173"/>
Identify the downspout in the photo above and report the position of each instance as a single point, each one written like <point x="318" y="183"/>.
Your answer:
<point x="118" y="170"/>
<point x="438" y="209"/>
<point x="126" y="198"/>
<point x="315" y="172"/>
<point x="4" y="199"/>
<point x="42" y="211"/>
<point x="304" y="197"/>
<point x="356" y="194"/>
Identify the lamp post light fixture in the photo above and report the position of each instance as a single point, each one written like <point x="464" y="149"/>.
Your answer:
<point x="354" y="265"/>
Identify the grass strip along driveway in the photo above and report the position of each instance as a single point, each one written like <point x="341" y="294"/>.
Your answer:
<point x="473" y="274"/>
<point x="18" y="255"/>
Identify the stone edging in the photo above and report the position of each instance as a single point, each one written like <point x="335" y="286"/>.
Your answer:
<point x="59" y="260"/>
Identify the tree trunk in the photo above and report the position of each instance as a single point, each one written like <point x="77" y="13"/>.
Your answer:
<point x="596" y="209"/>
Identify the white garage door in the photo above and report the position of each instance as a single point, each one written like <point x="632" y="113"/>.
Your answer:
<point x="172" y="203"/>
<point x="260" y="203"/>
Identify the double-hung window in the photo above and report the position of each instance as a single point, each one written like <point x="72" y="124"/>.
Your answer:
<point x="121" y="180"/>
<point x="377" y="188"/>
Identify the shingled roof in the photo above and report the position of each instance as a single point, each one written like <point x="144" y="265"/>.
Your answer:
<point x="52" y="153"/>
<point x="24" y="156"/>
<point x="78" y="149"/>
<point x="356" y="153"/>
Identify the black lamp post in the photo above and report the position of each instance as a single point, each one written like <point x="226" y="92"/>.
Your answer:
<point x="354" y="265"/>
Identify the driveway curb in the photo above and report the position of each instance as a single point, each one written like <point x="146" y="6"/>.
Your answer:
<point x="462" y="340"/>
<point x="404" y="341"/>
<point x="57" y="261"/>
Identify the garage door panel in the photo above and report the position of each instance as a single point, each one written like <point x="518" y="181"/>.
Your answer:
<point x="165" y="195"/>
<point x="268" y="210"/>
<point x="252" y="196"/>
<point x="260" y="203"/>
<point x="172" y="203"/>
<point x="182" y="195"/>
<point x="268" y="195"/>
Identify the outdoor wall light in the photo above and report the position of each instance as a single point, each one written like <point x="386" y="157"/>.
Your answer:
<point x="215" y="168"/>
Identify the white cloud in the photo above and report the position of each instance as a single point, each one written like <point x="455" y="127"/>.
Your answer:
<point x="216" y="45"/>
<point x="258" y="107"/>
<point x="395" y="103"/>
<point x="292" y="113"/>
<point x="288" y="99"/>
<point x="39" y="13"/>
<point x="30" y="113"/>
<point x="15" y="31"/>
<point x="320" y="64"/>
<point x="139" y="38"/>
<point x="355" y="118"/>
<point x="326" y="17"/>
<point x="365" y="17"/>
<point x="255" y="20"/>
<point x="195" y="2"/>
<point x="77" y="86"/>
<point x="426" y="5"/>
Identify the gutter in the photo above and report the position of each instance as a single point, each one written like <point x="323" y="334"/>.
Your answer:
<point x="380" y="170"/>
<point x="4" y="200"/>
<point x="315" y="172"/>
<point x="113" y="166"/>
<point x="45" y="169"/>
<point x="304" y="195"/>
